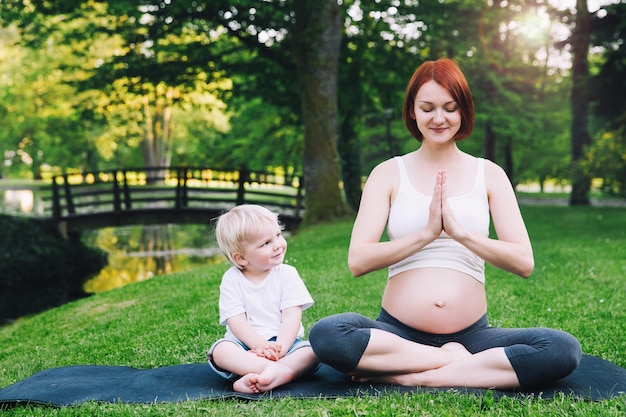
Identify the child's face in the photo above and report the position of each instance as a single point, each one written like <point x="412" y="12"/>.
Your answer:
<point x="263" y="249"/>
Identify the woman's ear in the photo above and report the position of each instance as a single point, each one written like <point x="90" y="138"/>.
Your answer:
<point x="239" y="259"/>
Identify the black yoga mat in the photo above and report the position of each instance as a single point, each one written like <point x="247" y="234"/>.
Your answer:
<point x="594" y="379"/>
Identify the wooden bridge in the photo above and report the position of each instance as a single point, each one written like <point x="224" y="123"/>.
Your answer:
<point x="162" y="195"/>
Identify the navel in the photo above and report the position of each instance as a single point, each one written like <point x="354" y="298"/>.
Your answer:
<point x="440" y="304"/>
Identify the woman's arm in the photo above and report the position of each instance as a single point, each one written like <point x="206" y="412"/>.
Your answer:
<point x="512" y="250"/>
<point x="367" y="253"/>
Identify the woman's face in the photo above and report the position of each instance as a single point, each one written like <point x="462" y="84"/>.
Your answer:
<point x="436" y="113"/>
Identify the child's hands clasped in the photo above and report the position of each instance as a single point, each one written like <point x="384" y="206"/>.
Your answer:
<point x="268" y="350"/>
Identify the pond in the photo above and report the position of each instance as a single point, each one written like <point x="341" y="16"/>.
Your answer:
<point x="135" y="253"/>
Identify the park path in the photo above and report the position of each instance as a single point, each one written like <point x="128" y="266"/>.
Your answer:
<point x="596" y="202"/>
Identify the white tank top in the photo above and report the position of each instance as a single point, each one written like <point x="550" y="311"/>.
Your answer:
<point x="409" y="214"/>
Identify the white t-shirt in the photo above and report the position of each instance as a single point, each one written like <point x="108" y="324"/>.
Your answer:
<point x="262" y="303"/>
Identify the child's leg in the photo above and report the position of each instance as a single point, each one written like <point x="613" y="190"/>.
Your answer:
<point x="260" y="374"/>
<point x="286" y="369"/>
<point x="231" y="357"/>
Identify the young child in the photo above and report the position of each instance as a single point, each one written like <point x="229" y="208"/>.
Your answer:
<point x="261" y="303"/>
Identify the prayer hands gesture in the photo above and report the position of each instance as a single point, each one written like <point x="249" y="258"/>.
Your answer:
<point x="441" y="217"/>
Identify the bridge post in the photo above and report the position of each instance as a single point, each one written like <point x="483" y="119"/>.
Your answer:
<point x="299" y="196"/>
<point x="117" y="202"/>
<point x="56" y="203"/>
<point x="244" y="176"/>
<point x="181" y="188"/>
<point x="127" y="203"/>
<point x="68" y="196"/>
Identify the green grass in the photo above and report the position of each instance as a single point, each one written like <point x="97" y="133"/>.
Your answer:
<point x="579" y="285"/>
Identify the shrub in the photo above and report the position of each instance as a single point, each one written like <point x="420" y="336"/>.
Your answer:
<point x="606" y="159"/>
<point x="39" y="268"/>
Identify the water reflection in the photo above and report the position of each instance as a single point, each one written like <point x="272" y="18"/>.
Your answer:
<point x="20" y="201"/>
<point x="137" y="253"/>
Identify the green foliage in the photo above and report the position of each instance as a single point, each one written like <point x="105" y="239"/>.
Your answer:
<point x="40" y="268"/>
<point x="261" y="135"/>
<point x="37" y="108"/>
<point x="116" y="53"/>
<point x="171" y="319"/>
<point x="608" y="85"/>
<point x="606" y="159"/>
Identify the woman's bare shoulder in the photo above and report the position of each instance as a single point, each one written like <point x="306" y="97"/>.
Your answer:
<point x="384" y="171"/>
<point x="386" y="165"/>
<point x="495" y="174"/>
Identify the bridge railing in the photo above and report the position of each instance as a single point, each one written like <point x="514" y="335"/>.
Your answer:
<point x="173" y="189"/>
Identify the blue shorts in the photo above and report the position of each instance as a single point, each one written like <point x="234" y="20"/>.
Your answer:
<point x="298" y="344"/>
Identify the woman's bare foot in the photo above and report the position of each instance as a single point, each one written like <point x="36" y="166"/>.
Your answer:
<point x="457" y="349"/>
<point x="409" y="380"/>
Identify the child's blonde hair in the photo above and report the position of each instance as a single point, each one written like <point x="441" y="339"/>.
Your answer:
<point x="234" y="226"/>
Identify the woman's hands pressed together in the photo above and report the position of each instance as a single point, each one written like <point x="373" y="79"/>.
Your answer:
<point x="441" y="216"/>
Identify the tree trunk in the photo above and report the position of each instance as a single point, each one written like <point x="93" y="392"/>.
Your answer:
<point x="580" y="105"/>
<point x="508" y="161"/>
<point x="157" y="143"/>
<point x="315" y="48"/>
<point x="489" y="147"/>
<point x="350" y="158"/>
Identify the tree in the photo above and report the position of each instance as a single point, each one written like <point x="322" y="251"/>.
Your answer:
<point x="519" y="94"/>
<point x="297" y="37"/>
<point x="303" y="35"/>
<point x="276" y="57"/>
<point x="261" y="136"/>
<point x="606" y="157"/>
<point x="37" y="107"/>
<point x="317" y="69"/>
<point x="608" y="83"/>
<point x="581" y="183"/>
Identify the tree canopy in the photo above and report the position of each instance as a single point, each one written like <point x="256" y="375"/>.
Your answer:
<point x="315" y="86"/>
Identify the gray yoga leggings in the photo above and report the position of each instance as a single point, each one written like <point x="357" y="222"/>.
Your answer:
<point x="538" y="355"/>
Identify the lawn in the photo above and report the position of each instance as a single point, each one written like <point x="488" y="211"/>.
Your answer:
<point x="579" y="285"/>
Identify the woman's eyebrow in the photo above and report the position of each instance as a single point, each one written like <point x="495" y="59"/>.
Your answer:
<point x="430" y="102"/>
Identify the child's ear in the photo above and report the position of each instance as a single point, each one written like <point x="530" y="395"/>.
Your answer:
<point x="239" y="259"/>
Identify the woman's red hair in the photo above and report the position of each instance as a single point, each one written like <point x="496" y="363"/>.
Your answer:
<point x="447" y="74"/>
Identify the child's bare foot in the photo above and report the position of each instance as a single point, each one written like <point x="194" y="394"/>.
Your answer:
<point x="247" y="384"/>
<point x="274" y="375"/>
